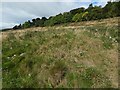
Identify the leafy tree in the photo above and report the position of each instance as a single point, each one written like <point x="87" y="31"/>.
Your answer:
<point x="115" y="9"/>
<point x="26" y="24"/>
<point x="85" y="16"/>
<point x="49" y="22"/>
<point x="58" y="19"/>
<point x="33" y="22"/>
<point x="67" y="16"/>
<point x="90" y="7"/>
<point x="96" y="13"/>
<point x="37" y="19"/>
<point x="15" y="27"/>
<point x="42" y="21"/>
<point x="19" y="26"/>
<point x="77" y="17"/>
<point x="36" y="22"/>
<point x="78" y="10"/>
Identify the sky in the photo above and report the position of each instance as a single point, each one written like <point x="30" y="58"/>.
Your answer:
<point x="13" y="12"/>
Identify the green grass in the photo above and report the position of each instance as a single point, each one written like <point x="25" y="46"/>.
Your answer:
<point x="60" y="58"/>
<point x="107" y="34"/>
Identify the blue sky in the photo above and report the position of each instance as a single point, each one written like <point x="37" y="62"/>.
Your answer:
<point x="14" y="12"/>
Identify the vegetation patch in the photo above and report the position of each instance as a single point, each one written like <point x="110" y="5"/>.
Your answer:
<point x="61" y="57"/>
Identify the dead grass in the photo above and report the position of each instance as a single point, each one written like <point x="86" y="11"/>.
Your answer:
<point x="71" y="56"/>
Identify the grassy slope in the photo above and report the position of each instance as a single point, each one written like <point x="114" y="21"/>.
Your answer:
<point x="73" y="55"/>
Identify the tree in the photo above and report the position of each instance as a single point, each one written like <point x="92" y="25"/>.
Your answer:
<point x="15" y="27"/>
<point x="37" y="19"/>
<point x="42" y="21"/>
<point x="97" y="13"/>
<point x="26" y="24"/>
<point x="67" y="16"/>
<point x="90" y="7"/>
<point x="50" y="22"/>
<point x="33" y="20"/>
<point x="44" y="18"/>
<point x="107" y="10"/>
<point x="19" y="26"/>
<point x="85" y="16"/>
<point x="77" y="17"/>
<point x="58" y="19"/>
<point x="36" y="22"/>
<point x="115" y="9"/>
<point x="78" y="10"/>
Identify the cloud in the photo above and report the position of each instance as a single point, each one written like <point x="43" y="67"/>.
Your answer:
<point x="19" y="12"/>
<point x="53" y="0"/>
<point x="14" y="12"/>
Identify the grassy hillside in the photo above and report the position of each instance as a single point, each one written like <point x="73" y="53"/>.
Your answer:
<point x="76" y="55"/>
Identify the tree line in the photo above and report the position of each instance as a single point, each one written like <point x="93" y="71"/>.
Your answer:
<point x="111" y="9"/>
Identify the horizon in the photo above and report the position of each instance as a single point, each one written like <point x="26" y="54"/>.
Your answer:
<point x="25" y="12"/>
